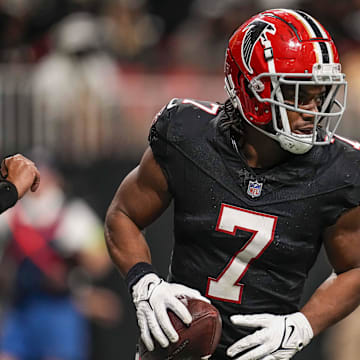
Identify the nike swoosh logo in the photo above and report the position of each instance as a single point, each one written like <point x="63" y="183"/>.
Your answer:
<point x="292" y="329"/>
<point x="283" y="341"/>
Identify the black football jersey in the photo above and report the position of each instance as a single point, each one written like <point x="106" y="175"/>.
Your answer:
<point x="246" y="239"/>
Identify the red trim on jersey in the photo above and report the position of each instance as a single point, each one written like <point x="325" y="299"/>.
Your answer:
<point x="213" y="110"/>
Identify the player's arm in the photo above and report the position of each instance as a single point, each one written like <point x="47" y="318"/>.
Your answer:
<point x="339" y="295"/>
<point x="19" y="175"/>
<point x="140" y="199"/>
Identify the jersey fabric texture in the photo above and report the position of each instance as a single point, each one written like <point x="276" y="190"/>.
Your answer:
<point x="248" y="254"/>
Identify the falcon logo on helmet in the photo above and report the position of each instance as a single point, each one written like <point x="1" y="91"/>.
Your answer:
<point x="256" y="31"/>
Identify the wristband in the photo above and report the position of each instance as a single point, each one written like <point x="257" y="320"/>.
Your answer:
<point x="137" y="272"/>
<point x="8" y="195"/>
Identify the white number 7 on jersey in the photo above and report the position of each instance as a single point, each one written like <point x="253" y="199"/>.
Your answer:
<point x="226" y="287"/>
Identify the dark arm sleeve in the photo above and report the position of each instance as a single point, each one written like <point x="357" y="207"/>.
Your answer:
<point x="8" y="195"/>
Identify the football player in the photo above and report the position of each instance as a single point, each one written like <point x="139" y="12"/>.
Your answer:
<point x="259" y="183"/>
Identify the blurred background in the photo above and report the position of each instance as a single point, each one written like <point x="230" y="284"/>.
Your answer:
<point x="82" y="79"/>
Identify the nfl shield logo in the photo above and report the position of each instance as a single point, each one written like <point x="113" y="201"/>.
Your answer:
<point x="254" y="188"/>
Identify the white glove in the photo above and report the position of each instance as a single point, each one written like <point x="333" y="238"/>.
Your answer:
<point x="152" y="297"/>
<point x="279" y="338"/>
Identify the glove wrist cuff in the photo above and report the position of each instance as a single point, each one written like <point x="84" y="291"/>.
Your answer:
<point x="138" y="271"/>
<point x="305" y="327"/>
<point x="144" y="288"/>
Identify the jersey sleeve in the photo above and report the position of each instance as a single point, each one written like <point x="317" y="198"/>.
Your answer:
<point x="351" y="195"/>
<point x="162" y="125"/>
<point x="340" y="202"/>
<point x="346" y="173"/>
<point x="159" y="137"/>
<point x="177" y="132"/>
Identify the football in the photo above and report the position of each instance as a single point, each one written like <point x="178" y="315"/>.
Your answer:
<point x="197" y="341"/>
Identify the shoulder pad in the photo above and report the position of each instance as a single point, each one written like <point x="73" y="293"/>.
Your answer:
<point x="183" y="118"/>
<point x="161" y="121"/>
<point x="347" y="142"/>
<point x="349" y="163"/>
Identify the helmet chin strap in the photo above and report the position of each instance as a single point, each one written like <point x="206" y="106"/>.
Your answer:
<point x="295" y="146"/>
<point x="288" y="140"/>
<point x="287" y="143"/>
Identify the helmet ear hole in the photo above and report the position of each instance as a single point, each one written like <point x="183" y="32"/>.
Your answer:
<point x="253" y="110"/>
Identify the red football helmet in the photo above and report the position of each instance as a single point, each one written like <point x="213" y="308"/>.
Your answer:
<point x="278" y="49"/>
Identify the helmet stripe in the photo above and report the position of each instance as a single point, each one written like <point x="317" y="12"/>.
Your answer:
<point x="324" y="52"/>
<point x="318" y="52"/>
<point x="330" y="51"/>
<point x="302" y="20"/>
<point x="327" y="56"/>
<point x="313" y="24"/>
<point x="315" y="31"/>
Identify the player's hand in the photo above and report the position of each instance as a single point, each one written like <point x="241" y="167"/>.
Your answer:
<point x="22" y="172"/>
<point x="152" y="297"/>
<point x="279" y="337"/>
